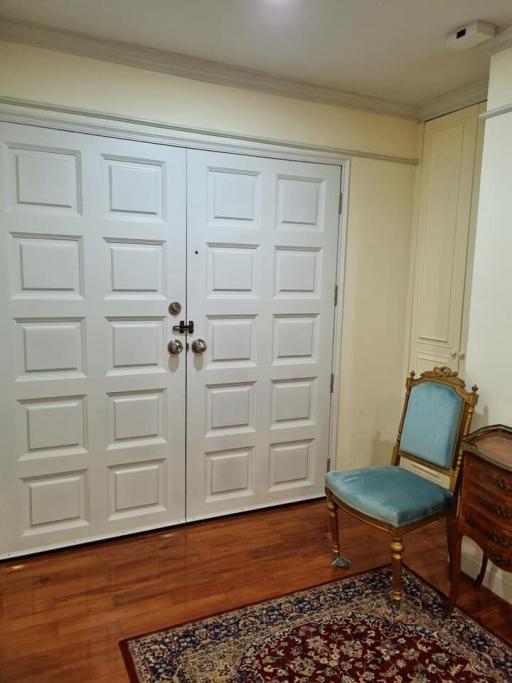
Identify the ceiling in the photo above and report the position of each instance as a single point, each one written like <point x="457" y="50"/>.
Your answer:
<point x="389" y="49"/>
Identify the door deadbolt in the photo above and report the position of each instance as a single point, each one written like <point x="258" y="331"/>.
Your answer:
<point x="175" y="347"/>
<point x="175" y="308"/>
<point x="183" y="327"/>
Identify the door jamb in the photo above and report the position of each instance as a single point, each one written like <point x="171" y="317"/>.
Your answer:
<point x="334" y="417"/>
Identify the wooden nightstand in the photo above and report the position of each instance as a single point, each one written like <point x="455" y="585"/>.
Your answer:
<point x="485" y="502"/>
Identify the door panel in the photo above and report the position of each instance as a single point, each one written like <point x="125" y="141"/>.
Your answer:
<point x="443" y="237"/>
<point x="93" y="248"/>
<point x="262" y="245"/>
<point x="92" y="410"/>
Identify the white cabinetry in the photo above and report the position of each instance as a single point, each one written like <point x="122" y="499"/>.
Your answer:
<point x="448" y="195"/>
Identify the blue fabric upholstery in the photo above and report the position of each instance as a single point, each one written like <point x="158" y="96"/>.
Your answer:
<point x="390" y="494"/>
<point x="431" y="423"/>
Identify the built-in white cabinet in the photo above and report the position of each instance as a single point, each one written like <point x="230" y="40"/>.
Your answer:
<point x="443" y="255"/>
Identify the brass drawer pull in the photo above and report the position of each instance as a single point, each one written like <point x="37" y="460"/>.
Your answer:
<point x="503" y="540"/>
<point x="503" y="484"/>
<point x="501" y="511"/>
<point x="500" y="560"/>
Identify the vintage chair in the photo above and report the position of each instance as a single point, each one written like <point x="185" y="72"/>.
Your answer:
<point x="436" y="415"/>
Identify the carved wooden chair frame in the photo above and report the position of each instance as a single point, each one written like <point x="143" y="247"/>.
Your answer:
<point x="439" y="375"/>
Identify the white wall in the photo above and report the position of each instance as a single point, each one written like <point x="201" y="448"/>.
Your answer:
<point x="380" y="204"/>
<point x="48" y="76"/>
<point x="372" y="368"/>
<point x="489" y="355"/>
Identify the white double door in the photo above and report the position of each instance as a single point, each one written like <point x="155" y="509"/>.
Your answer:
<point x="104" y="431"/>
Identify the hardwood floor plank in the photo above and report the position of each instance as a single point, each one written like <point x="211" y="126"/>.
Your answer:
<point x="63" y="613"/>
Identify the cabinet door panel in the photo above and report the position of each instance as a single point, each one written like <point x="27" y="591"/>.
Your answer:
<point x="442" y="242"/>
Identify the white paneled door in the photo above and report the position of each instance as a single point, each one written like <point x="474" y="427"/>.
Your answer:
<point x="98" y="237"/>
<point x="92" y="405"/>
<point x="262" y="246"/>
<point x="444" y="229"/>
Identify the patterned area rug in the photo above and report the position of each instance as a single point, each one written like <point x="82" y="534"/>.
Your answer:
<point x="339" y="632"/>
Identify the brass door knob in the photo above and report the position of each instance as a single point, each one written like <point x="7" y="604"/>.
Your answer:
<point x="174" y="347"/>
<point x="199" y="346"/>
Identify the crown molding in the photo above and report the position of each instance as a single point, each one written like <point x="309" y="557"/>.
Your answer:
<point x="109" y="124"/>
<point x="28" y="33"/>
<point x="501" y="41"/>
<point x="497" y="111"/>
<point x="456" y="99"/>
<point x="162" y="61"/>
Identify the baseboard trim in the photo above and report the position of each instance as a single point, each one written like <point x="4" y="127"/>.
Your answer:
<point x="181" y="522"/>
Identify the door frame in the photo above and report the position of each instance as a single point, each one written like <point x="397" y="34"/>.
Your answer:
<point x="113" y="126"/>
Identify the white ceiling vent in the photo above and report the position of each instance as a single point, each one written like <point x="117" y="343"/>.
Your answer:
<point x="470" y="35"/>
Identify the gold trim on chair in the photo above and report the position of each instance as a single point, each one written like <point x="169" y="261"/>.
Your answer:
<point x="439" y="375"/>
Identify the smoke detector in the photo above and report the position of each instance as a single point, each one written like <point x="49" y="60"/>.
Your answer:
<point x="470" y="35"/>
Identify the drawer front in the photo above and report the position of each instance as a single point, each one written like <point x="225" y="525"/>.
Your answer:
<point x="486" y="487"/>
<point x="479" y="519"/>
<point x="489" y="477"/>
<point x="496" y="554"/>
<point x="486" y="509"/>
<point x="496" y="542"/>
<point x="497" y="510"/>
<point x="502" y="561"/>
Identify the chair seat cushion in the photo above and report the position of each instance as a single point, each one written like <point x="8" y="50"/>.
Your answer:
<point x="390" y="494"/>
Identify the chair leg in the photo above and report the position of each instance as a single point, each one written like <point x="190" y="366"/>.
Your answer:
<point x="339" y="559"/>
<point x="396" y="560"/>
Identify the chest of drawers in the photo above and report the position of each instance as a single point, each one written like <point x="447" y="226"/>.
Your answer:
<point x="485" y="502"/>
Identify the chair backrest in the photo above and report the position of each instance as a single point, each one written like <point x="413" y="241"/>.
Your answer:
<point x="437" y="413"/>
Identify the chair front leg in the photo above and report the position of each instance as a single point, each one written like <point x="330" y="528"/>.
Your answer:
<point x="332" y="510"/>
<point x="396" y="560"/>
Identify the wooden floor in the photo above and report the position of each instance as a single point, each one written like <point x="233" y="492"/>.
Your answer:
<point x="63" y="613"/>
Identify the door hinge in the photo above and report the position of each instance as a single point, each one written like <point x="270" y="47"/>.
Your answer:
<point x="328" y="465"/>
<point x="340" y="203"/>
<point x="332" y="382"/>
<point x="335" y="295"/>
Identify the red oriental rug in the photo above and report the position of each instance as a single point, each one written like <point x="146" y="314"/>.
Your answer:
<point x="339" y="632"/>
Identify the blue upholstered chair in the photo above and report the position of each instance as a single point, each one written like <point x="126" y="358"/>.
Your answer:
<point x="437" y="413"/>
